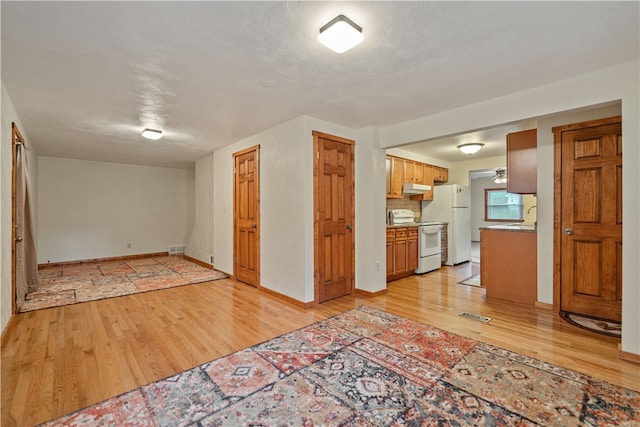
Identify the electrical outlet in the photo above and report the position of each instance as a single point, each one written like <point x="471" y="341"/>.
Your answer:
<point x="210" y="259"/>
<point x="128" y="245"/>
<point x="377" y="265"/>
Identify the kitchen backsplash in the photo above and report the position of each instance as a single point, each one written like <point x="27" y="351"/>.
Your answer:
<point x="405" y="203"/>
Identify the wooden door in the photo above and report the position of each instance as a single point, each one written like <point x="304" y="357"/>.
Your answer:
<point x="334" y="216"/>
<point x="246" y="214"/>
<point x="590" y="228"/>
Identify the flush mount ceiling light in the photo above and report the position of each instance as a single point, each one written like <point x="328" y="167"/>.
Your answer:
<point x="470" y="148"/>
<point x="501" y="176"/>
<point x="152" y="134"/>
<point x="340" y="34"/>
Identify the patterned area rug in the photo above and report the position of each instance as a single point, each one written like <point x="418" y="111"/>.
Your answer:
<point x="74" y="283"/>
<point x="366" y="367"/>
<point x="601" y="326"/>
<point x="471" y="281"/>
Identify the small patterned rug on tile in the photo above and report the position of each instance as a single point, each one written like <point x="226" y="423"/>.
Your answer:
<point x="74" y="283"/>
<point x="601" y="326"/>
<point x="366" y="367"/>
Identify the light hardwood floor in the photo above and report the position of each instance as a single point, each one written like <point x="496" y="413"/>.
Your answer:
<point x="59" y="360"/>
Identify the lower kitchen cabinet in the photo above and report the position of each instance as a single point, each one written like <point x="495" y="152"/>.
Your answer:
<point x="391" y="250"/>
<point x="402" y="252"/>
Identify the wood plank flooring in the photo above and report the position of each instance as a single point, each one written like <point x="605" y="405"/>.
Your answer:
<point x="58" y="360"/>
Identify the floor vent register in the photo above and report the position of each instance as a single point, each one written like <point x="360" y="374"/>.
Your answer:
<point x="474" y="316"/>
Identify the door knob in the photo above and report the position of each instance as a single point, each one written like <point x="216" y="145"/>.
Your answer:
<point x="348" y="227"/>
<point x="18" y="239"/>
<point x="254" y="225"/>
<point x="569" y="231"/>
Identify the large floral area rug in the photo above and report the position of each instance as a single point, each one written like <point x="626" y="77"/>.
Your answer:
<point x="74" y="283"/>
<point x="366" y="367"/>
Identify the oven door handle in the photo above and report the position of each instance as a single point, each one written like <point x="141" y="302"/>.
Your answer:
<point x="427" y="231"/>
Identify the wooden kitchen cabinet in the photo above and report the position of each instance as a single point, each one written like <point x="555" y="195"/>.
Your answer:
<point x="418" y="173"/>
<point x="401" y="170"/>
<point x="395" y="177"/>
<point x="522" y="162"/>
<point x="409" y="171"/>
<point x="402" y="252"/>
<point x="391" y="235"/>
<point x="508" y="265"/>
<point x="440" y="174"/>
<point x="412" y="249"/>
<point x="427" y="179"/>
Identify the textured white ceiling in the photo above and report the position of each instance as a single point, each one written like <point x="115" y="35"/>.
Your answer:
<point x="87" y="77"/>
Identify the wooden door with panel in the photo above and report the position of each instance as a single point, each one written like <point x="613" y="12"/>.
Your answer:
<point x="591" y="218"/>
<point x="246" y="213"/>
<point x="334" y="251"/>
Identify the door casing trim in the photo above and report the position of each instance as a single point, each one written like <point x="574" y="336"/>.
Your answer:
<point x="15" y="137"/>
<point x="557" y="197"/>
<point x="316" y="274"/>
<point x="255" y="148"/>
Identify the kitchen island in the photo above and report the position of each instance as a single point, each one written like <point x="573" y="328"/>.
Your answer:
<point x="508" y="262"/>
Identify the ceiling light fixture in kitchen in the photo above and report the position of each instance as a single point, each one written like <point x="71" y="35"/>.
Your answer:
<point x="340" y="34"/>
<point x="501" y="176"/>
<point x="470" y="148"/>
<point x="152" y="134"/>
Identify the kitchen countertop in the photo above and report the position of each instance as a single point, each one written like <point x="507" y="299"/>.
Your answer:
<point x="413" y="224"/>
<point x="527" y="227"/>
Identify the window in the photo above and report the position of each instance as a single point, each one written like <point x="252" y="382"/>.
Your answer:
<point x="502" y="206"/>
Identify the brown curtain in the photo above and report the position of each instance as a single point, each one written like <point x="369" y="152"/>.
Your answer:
<point x="26" y="257"/>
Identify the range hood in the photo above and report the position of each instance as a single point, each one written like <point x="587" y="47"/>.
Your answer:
<point x="410" y="188"/>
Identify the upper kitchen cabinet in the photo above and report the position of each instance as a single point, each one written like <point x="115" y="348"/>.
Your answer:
<point x="440" y="174"/>
<point x="522" y="163"/>
<point x="395" y="174"/>
<point x="416" y="172"/>
<point x="427" y="179"/>
<point x="400" y="171"/>
<point x="410" y="174"/>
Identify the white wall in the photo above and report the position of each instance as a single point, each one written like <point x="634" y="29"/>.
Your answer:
<point x="371" y="203"/>
<point x="200" y="244"/>
<point x="611" y="84"/>
<point x="286" y="206"/>
<point x="459" y="171"/>
<point x="399" y="152"/>
<point x="283" y="192"/>
<point x="7" y="116"/>
<point x="90" y="210"/>
<point x="477" y="188"/>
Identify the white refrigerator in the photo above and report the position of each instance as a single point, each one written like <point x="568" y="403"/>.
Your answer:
<point x="450" y="204"/>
